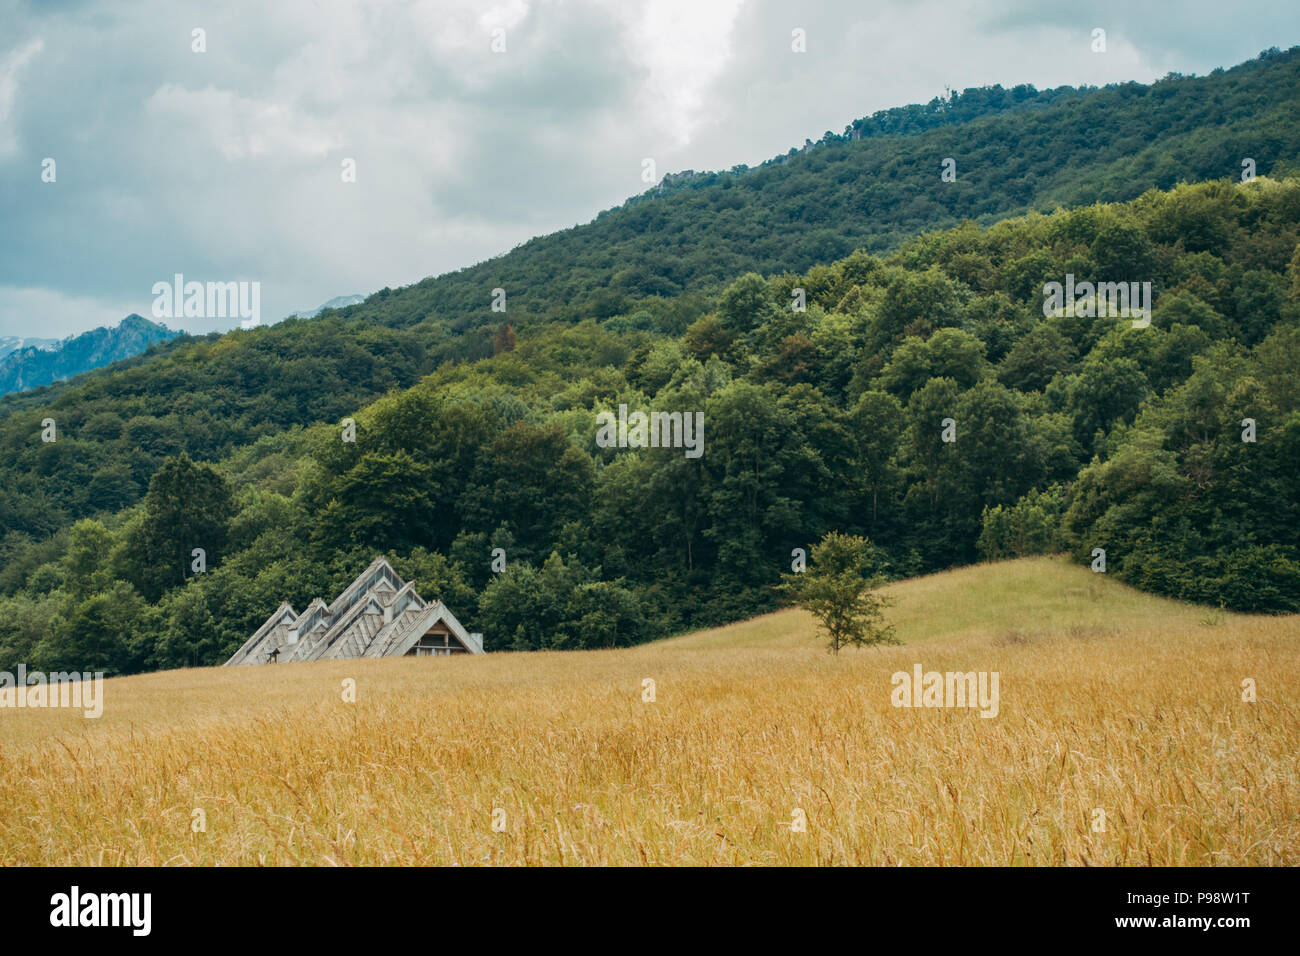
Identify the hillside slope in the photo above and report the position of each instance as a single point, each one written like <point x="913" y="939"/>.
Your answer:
<point x="842" y="194"/>
<point x="1077" y="433"/>
<point x="1027" y="600"/>
<point x="654" y="263"/>
<point x="12" y="343"/>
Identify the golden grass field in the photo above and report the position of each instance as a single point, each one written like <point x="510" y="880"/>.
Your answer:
<point x="1110" y="699"/>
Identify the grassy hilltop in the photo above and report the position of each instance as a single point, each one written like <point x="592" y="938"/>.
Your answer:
<point x="1109" y="698"/>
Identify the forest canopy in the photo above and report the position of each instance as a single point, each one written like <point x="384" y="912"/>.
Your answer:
<point x="920" y="400"/>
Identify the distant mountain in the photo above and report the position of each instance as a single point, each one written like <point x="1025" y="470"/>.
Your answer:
<point x="36" y="362"/>
<point x="338" y="302"/>
<point x="12" y="343"/>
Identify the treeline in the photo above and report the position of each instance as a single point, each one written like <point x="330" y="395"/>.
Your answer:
<point x="958" y="107"/>
<point x="1069" y="432"/>
<point x="1014" y="151"/>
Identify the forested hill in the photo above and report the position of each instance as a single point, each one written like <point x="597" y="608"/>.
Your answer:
<point x="971" y="104"/>
<point x="1101" y="145"/>
<point x="1170" y="446"/>
<point x="1014" y="150"/>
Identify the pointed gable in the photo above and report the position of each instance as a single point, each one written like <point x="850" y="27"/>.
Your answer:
<point x="268" y="638"/>
<point x="377" y="615"/>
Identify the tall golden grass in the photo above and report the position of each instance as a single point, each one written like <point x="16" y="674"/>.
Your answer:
<point x="1110" y="700"/>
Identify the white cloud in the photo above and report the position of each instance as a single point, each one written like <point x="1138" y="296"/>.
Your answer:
<point x="683" y="46"/>
<point x="49" y="314"/>
<point x="238" y="127"/>
<point x="226" y="165"/>
<point x="9" y="70"/>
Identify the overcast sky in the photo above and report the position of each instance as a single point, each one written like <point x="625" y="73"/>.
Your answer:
<point x="227" y="164"/>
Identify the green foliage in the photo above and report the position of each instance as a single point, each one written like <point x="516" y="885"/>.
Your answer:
<point x="1122" y="253"/>
<point x="876" y="185"/>
<point x="949" y="353"/>
<point x="838" y="588"/>
<point x="206" y="397"/>
<point x="1105" y="393"/>
<point x="1036" y="358"/>
<point x="102" y="632"/>
<point x="561" y="606"/>
<point x="1185" y="506"/>
<point x="188" y="507"/>
<point x="1030" y="526"/>
<point x="745" y="304"/>
<point x="1071" y="432"/>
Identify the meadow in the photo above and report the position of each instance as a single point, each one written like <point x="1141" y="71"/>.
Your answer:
<point x="1111" y="700"/>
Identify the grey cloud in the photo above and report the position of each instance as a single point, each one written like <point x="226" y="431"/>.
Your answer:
<point x="225" y="165"/>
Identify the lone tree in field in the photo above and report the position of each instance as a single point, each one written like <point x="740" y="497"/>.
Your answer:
<point x="840" y="589"/>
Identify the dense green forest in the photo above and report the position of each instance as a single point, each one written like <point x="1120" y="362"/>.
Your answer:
<point x="1071" y="432"/>
<point x="1173" y="448"/>
<point x="206" y="397"/>
<point x="659" y="262"/>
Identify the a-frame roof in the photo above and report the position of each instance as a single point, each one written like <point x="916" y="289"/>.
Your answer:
<point x="377" y="615"/>
<point x="279" y="617"/>
<point x="431" y="615"/>
<point x="378" y="570"/>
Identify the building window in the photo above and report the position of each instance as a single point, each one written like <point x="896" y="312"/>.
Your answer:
<point x="434" y="645"/>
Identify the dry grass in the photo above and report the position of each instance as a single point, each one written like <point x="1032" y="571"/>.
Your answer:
<point x="1109" y="699"/>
